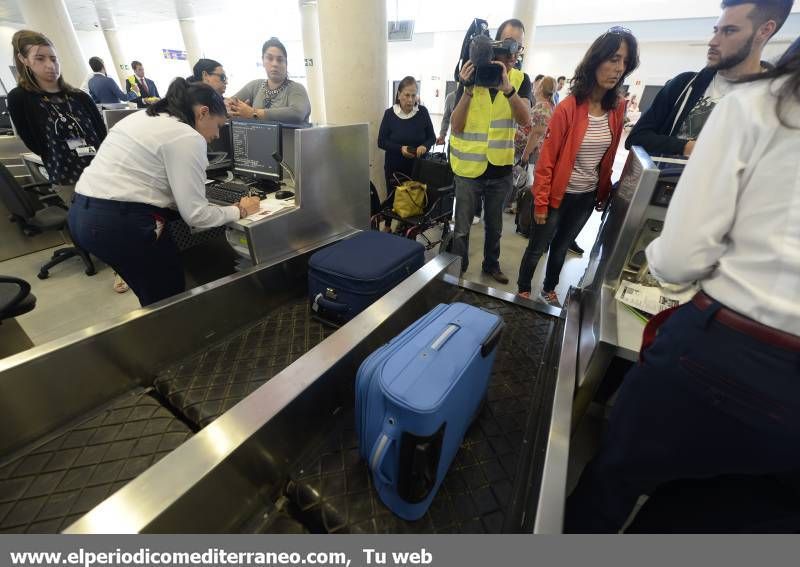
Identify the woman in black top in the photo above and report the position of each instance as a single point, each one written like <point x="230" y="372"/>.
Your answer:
<point x="406" y="133"/>
<point x="56" y="121"/>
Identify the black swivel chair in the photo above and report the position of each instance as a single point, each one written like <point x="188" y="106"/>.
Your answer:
<point x="15" y="299"/>
<point x="21" y="202"/>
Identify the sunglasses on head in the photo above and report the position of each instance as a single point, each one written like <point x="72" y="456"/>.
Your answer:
<point x="617" y="30"/>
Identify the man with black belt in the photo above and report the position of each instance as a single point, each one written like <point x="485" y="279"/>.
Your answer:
<point x="482" y="149"/>
<point x="718" y="390"/>
<point x="674" y="120"/>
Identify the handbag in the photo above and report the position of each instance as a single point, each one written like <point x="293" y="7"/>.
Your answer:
<point x="410" y="198"/>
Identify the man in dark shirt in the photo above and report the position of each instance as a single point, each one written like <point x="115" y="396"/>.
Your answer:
<point x="482" y="166"/>
<point x="104" y="89"/>
<point x="680" y="110"/>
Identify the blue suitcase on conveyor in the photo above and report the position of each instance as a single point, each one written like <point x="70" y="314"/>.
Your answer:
<point x="346" y="278"/>
<point x="415" y="398"/>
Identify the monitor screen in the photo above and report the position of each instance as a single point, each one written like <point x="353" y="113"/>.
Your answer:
<point x="5" y="117"/>
<point x="648" y="96"/>
<point x="222" y="145"/>
<point x="254" y="143"/>
<point x="111" y="117"/>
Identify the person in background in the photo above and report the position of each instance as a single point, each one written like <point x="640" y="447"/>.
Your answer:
<point x="674" y="120"/>
<point x="716" y="393"/>
<point x="56" y="121"/>
<point x="104" y="89"/>
<point x="573" y="173"/>
<point x="121" y="220"/>
<point x="542" y="111"/>
<point x="406" y="133"/>
<point x="559" y="94"/>
<point x="483" y="168"/>
<point x="147" y="88"/>
<point x="449" y="104"/>
<point x="211" y="73"/>
<point x="276" y="98"/>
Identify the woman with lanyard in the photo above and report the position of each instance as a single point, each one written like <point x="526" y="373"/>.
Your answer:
<point x="211" y="73"/>
<point x="573" y="173"/>
<point x="151" y="164"/>
<point x="277" y="98"/>
<point x="406" y="133"/>
<point x="59" y="123"/>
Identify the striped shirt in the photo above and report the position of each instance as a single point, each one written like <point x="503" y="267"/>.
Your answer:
<point x="586" y="171"/>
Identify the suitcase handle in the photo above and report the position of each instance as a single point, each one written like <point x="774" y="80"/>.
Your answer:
<point x="445" y="336"/>
<point x="379" y="455"/>
<point x="325" y="303"/>
<point x="491" y="341"/>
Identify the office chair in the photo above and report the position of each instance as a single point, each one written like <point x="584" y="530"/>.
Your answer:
<point x="31" y="219"/>
<point x="15" y="299"/>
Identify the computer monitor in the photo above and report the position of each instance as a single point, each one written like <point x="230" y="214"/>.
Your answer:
<point x="254" y="144"/>
<point x="221" y="149"/>
<point x="5" y="117"/>
<point x="111" y="117"/>
<point x="648" y="96"/>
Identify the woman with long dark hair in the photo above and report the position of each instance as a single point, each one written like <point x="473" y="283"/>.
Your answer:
<point x="211" y="73"/>
<point x="573" y="173"/>
<point x="55" y="120"/>
<point x="717" y="392"/>
<point x="406" y="133"/>
<point x="151" y="168"/>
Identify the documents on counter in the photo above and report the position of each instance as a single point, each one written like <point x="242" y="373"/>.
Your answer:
<point x="651" y="299"/>
<point x="268" y="207"/>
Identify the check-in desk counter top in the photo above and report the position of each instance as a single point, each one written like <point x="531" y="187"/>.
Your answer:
<point x="331" y="185"/>
<point x="633" y="220"/>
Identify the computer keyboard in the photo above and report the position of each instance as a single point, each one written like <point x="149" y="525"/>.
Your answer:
<point x="228" y="192"/>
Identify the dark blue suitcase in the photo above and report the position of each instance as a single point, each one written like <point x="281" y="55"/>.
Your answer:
<point x="346" y="278"/>
<point x="415" y="398"/>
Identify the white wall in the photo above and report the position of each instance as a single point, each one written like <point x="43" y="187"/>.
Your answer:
<point x="7" y="55"/>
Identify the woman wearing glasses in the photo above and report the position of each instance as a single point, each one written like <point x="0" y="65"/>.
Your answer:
<point x="211" y="73"/>
<point x="573" y="173"/>
<point x="276" y="98"/>
<point x="55" y="120"/>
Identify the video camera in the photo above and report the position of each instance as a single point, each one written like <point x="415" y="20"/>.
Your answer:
<point x="479" y="48"/>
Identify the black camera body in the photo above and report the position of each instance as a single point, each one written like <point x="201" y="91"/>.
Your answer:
<point x="483" y="52"/>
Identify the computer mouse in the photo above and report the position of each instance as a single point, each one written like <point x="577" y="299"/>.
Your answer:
<point x="284" y="194"/>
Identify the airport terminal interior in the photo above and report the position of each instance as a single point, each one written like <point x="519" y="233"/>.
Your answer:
<point x="131" y="409"/>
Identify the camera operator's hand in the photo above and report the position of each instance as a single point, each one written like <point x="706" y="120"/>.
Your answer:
<point x="467" y="73"/>
<point x="505" y="84"/>
<point x="407" y="153"/>
<point x="421" y="151"/>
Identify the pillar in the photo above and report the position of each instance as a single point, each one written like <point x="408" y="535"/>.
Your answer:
<point x="313" y="60"/>
<point x="191" y="41"/>
<point x="51" y="18"/>
<point x="118" y="60"/>
<point x="526" y="11"/>
<point x="352" y="35"/>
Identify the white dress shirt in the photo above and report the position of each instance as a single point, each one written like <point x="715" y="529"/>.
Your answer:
<point x="734" y="221"/>
<point x="156" y="160"/>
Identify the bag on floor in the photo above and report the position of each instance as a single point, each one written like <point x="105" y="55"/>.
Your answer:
<point x="524" y="217"/>
<point x="349" y="276"/>
<point x="415" y="398"/>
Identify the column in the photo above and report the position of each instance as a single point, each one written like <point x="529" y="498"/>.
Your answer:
<point x="313" y="60"/>
<point x="352" y="35"/>
<point x="51" y="18"/>
<point x="526" y="11"/>
<point x="191" y="41"/>
<point x="118" y="60"/>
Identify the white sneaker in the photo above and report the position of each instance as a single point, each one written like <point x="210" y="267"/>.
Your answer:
<point x="476" y="220"/>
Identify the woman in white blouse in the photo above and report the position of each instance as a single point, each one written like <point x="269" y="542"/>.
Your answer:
<point x="151" y="168"/>
<point x="718" y="391"/>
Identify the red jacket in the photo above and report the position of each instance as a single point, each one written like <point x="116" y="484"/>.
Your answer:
<point x="562" y="142"/>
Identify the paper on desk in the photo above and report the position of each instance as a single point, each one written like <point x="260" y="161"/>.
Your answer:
<point x="650" y="299"/>
<point x="269" y="207"/>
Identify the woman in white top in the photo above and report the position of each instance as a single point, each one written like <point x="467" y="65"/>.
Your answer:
<point x="151" y="164"/>
<point x="718" y="390"/>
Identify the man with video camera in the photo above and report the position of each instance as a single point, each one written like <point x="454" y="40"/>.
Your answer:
<point x="492" y="98"/>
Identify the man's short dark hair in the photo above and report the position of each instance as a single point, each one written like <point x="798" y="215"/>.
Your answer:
<point x="538" y="78"/>
<point x="561" y="78"/>
<point x="513" y="22"/>
<point x="96" y="64"/>
<point x="135" y="64"/>
<point x="764" y="11"/>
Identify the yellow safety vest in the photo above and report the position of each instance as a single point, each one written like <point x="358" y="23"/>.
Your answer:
<point x="488" y="135"/>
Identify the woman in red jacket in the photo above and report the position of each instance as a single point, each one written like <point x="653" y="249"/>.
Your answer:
<point x="573" y="174"/>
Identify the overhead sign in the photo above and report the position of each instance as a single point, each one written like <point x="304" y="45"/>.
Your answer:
<point x="174" y="54"/>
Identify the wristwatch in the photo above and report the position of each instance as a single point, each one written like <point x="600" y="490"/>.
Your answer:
<point x="510" y="94"/>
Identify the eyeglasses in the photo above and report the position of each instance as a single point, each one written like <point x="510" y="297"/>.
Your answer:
<point x="222" y="76"/>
